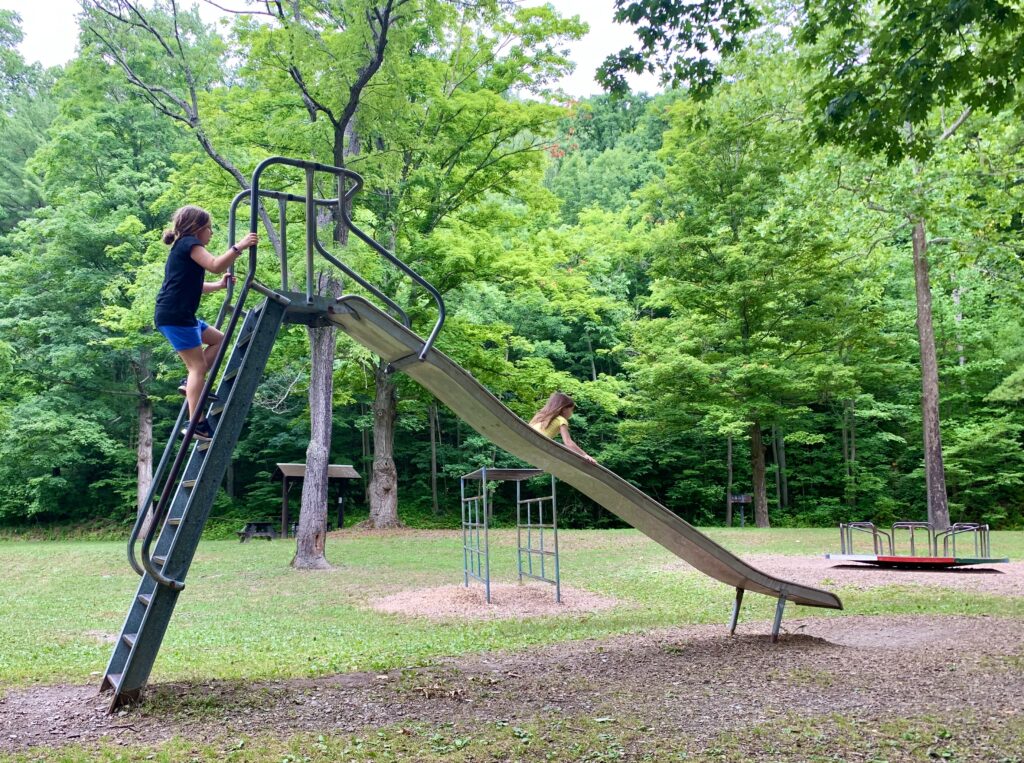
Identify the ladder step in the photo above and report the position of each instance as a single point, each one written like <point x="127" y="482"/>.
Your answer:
<point x="217" y="410"/>
<point x="114" y="679"/>
<point x="144" y="599"/>
<point x="229" y="375"/>
<point x="174" y="521"/>
<point x="129" y="639"/>
<point x="159" y="560"/>
<point x="188" y="483"/>
<point x="244" y="339"/>
<point x="203" y="445"/>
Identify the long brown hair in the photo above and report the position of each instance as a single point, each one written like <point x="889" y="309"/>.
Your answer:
<point x="187" y="221"/>
<point x="557" y="403"/>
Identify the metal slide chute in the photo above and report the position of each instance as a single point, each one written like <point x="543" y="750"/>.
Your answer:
<point x="469" y="400"/>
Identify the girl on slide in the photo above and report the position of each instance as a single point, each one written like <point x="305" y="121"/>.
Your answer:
<point x="553" y="419"/>
<point x="178" y="299"/>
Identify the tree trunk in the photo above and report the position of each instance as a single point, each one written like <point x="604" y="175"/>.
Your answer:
<point x="432" y="415"/>
<point x="775" y="463"/>
<point x="846" y="446"/>
<point x="728" y="488"/>
<point x="593" y="362"/>
<point x="384" y="480"/>
<point x="853" y="452"/>
<point x="781" y="446"/>
<point x="935" y="475"/>
<point x="311" y="536"/>
<point x="758" y="468"/>
<point x="958" y="316"/>
<point x="367" y="456"/>
<point x="144" y="451"/>
<point x="144" y="439"/>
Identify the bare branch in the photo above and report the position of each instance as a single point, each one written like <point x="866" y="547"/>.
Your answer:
<point x="956" y="125"/>
<point x="246" y="12"/>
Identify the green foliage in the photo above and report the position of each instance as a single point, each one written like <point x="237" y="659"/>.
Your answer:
<point x="687" y="266"/>
<point x="680" y="40"/>
<point x="920" y="56"/>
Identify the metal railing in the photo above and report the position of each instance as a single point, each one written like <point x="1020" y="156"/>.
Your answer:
<point x="914" y="529"/>
<point x="978" y="535"/>
<point x="880" y="539"/>
<point x="344" y="176"/>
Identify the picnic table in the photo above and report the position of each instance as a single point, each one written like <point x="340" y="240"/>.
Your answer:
<point x="258" y="530"/>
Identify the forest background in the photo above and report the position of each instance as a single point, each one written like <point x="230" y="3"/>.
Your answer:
<point x="728" y="291"/>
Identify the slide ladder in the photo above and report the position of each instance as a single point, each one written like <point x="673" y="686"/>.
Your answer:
<point x="189" y="506"/>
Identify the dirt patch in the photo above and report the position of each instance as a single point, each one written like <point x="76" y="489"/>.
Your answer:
<point x="508" y="600"/>
<point x="102" y="636"/>
<point x="695" y="682"/>
<point x="996" y="579"/>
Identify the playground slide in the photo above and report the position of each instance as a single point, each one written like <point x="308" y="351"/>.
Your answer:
<point x="468" y="399"/>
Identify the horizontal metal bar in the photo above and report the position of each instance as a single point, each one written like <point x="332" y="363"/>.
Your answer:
<point x="530" y="551"/>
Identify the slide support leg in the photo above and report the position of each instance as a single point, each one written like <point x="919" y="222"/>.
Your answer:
<point x="736" y="611"/>
<point x="778" y="618"/>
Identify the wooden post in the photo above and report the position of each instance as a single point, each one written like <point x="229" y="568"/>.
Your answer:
<point x="284" y="506"/>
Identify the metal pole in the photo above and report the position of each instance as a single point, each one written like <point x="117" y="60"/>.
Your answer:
<point x="310" y="234"/>
<point x="529" y="537"/>
<point x="519" y="530"/>
<point x="487" y="541"/>
<point x="778" y="618"/>
<point x="540" y="521"/>
<point x="282" y="229"/>
<point x="736" y="611"/>
<point x="465" y="539"/>
<point x="554" y="523"/>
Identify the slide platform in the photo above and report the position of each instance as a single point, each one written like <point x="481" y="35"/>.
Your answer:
<point x="474" y="404"/>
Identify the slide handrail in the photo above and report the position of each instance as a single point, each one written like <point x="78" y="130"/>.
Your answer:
<point x="313" y="244"/>
<point x="344" y="175"/>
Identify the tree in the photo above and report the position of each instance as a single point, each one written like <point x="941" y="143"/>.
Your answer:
<point x="446" y="141"/>
<point x="881" y="80"/>
<point x="28" y="110"/>
<point x="882" y="67"/>
<point x="748" y="286"/>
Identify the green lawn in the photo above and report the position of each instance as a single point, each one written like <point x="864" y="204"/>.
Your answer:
<point x="246" y="614"/>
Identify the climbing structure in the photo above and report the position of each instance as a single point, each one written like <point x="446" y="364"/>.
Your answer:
<point x="189" y="474"/>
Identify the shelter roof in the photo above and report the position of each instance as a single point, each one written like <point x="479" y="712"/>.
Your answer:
<point x="298" y="471"/>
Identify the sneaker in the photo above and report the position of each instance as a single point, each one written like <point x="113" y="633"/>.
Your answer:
<point x="202" y="432"/>
<point x="211" y="398"/>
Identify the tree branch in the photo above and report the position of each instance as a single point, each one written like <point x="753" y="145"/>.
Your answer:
<point x="956" y="125"/>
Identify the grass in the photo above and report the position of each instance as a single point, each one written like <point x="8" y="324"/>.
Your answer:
<point x="246" y="615"/>
<point x="589" y="739"/>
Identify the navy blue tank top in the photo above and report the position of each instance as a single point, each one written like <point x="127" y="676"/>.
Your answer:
<point x="178" y="300"/>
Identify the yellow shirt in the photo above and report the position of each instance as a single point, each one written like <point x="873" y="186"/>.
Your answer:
<point x="553" y="428"/>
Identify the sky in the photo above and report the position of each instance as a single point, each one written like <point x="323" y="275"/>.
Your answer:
<point x="51" y="34"/>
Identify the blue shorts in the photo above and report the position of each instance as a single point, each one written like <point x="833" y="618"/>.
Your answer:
<point x="184" y="337"/>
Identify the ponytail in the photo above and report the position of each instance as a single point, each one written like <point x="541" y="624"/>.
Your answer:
<point x="187" y="221"/>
